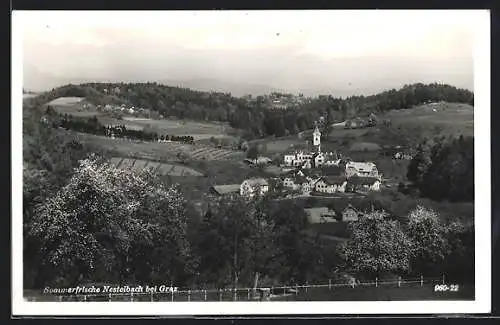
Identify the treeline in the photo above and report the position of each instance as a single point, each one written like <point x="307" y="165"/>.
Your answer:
<point x="93" y="126"/>
<point x="422" y="245"/>
<point x="443" y="168"/>
<point x="253" y="116"/>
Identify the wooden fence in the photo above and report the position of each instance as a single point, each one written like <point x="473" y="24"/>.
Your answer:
<point x="233" y="294"/>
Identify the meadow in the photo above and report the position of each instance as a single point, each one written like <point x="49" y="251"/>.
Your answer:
<point x="198" y="130"/>
<point x="453" y="118"/>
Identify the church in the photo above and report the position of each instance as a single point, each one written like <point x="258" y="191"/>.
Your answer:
<point x="311" y="159"/>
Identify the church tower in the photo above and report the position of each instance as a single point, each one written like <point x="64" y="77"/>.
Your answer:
<point x="317" y="139"/>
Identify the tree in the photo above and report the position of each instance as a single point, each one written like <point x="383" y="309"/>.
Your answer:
<point x="252" y="153"/>
<point x="298" y="258"/>
<point x="459" y="263"/>
<point x="444" y="168"/>
<point x="111" y="225"/>
<point x="377" y="246"/>
<point x="227" y="239"/>
<point x="428" y="241"/>
<point x="420" y="162"/>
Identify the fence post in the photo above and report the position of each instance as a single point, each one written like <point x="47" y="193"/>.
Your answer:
<point x="307" y="284"/>
<point x="443" y="278"/>
<point x="172" y="294"/>
<point x="248" y="294"/>
<point x="220" y="294"/>
<point x="421" y="280"/>
<point x="376" y="282"/>
<point x="84" y="297"/>
<point x="205" y="295"/>
<point x="272" y="290"/>
<point x="60" y="298"/>
<point x="296" y="289"/>
<point x="109" y="297"/>
<point x="152" y="299"/>
<point x="329" y="284"/>
<point x="189" y="295"/>
<point x="235" y="295"/>
<point x="353" y="282"/>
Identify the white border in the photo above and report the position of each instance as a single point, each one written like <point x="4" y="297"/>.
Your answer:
<point x="482" y="304"/>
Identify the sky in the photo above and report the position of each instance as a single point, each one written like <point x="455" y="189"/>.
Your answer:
<point x="336" y="52"/>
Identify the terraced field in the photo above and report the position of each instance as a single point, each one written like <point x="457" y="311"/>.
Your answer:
<point x="157" y="167"/>
<point x="160" y="151"/>
<point x="205" y="152"/>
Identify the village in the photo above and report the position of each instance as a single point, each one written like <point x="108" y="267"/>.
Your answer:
<point x="311" y="173"/>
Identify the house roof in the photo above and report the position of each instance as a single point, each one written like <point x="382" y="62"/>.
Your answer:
<point x="311" y="173"/>
<point x="300" y="179"/>
<point x="257" y="181"/>
<point x="333" y="180"/>
<point x="361" y="165"/>
<point x="355" y="180"/>
<point x="225" y="189"/>
<point x="332" y="170"/>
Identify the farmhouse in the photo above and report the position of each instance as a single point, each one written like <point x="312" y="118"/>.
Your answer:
<point x="363" y="184"/>
<point x="254" y="186"/>
<point x="297" y="182"/>
<point x="361" y="169"/>
<point x="350" y="214"/>
<point x="320" y="215"/>
<point x="331" y="184"/>
<point x="297" y="158"/>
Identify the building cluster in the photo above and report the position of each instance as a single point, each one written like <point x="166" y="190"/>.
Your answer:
<point x="312" y="159"/>
<point x="287" y="101"/>
<point x="350" y="177"/>
<point x="312" y="173"/>
<point x="131" y="110"/>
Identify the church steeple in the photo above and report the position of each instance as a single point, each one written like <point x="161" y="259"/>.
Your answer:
<point x="317" y="138"/>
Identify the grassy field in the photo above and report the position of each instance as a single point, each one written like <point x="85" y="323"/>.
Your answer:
<point x="198" y="130"/>
<point x="278" y="145"/>
<point x="454" y="118"/>
<point x="408" y="126"/>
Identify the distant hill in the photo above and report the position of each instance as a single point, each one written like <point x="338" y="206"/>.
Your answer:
<point x="254" y="117"/>
<point x="237" y="89"/>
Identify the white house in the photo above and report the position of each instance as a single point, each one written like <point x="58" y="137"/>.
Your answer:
<point x="253" y="186"/>
<point x="361" y="169"/>
<point x="296" y="181"/>
<point x="363" y="184"/>
<point x="331" y="184"/>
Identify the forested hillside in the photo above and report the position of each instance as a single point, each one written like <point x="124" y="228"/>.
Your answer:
<point x="253" y="114"/>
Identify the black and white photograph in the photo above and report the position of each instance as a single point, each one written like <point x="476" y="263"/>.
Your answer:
<point x="228" y="162"/>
